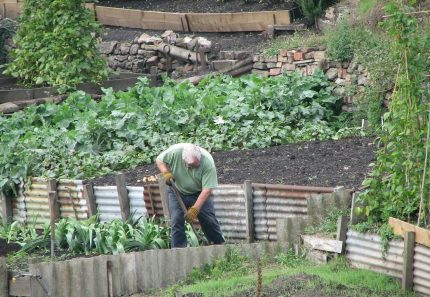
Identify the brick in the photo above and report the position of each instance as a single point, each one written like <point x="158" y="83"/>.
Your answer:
<point x="331" y="73"/>
<point x="256" y="58"/>
<point x="275" y="71"/>
<point x="241" y="55"/>
<point x="298" y="56"/>
<point x="226" y="55"/>
<point x="272" y="65"/>
<point x="309" y="55"/>
<point x="289" y="67"/>
<point x="279" y="64"/>
<point x="283" y="53"/>
<point x="272" y="59"/>
<point x="282" y="59"/>
<point x="319" y="55"/>
<point x="260" y="66"/>
<point x="221" y="64"/>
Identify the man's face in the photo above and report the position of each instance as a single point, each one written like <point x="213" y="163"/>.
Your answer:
<point x="194" y="164"/>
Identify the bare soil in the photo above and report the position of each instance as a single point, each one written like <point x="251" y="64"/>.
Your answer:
<point x="198" y="6"/>
<point x="319" y="163"/>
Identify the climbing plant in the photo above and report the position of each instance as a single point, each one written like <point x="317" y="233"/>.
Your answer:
<point x="56" y="45"/>
<point x="399" y="183"/>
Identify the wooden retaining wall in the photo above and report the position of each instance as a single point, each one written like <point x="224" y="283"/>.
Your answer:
<point x="181" y="22"/>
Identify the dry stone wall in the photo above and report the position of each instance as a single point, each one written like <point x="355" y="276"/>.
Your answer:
<point x="348" y="77"/>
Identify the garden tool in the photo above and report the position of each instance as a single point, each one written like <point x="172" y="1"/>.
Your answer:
<point x="182" y="205"/>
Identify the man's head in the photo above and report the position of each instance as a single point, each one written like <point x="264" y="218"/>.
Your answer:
<point x="191" y="155"/>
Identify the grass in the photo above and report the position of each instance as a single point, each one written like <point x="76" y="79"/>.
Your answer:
<point x="329" y="278"/>
<point x="299" y="39"/>
<point x="366" y="5"/>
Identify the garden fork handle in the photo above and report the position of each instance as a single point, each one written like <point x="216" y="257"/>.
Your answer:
<point x="181" y="204"/>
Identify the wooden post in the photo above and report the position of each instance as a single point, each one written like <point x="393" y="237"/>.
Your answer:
<point x="342" y="228"/>
<point x="249" y="211"/>
<point x="124" y="202"/>
<point x="90" y="199"/>
<point x="53" y="214"/>
<point x="55" y="210"/>
<point x="4" y="280"/>
<point x="202" y="59"/>
<point x="6" y="204"/>
<point x="408" y="261"/>
<point x="164" y="197"/>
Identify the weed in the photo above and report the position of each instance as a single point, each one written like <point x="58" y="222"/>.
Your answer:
<point x="290" y="259"/>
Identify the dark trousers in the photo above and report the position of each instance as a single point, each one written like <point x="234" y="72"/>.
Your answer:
<point x="207" y="219"/>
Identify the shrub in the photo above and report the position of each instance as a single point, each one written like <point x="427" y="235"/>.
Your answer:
<point x="56" y="45"/>
<point x="313" y="9"/>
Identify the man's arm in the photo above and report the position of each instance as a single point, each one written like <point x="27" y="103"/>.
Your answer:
<point x="204" y="195"/>
<point x="163" y="167"/>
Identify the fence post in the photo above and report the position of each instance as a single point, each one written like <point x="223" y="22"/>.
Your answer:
<point x="164" y="198"/>
<point x="124" y="202"/>
<point x="342" y="228"/>
<point x="90" y="199"/>
<point x="53" y="215"/>
<point x="249" y="211"/>
<point x="54" y="209"/>
<point x="4" y="279"/>
<point x="408" y="261"/>
<point x="6" y="204"/>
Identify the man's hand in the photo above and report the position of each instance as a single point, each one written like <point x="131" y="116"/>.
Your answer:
<point x="191" y="214"/>
<point x="168" y="178"/>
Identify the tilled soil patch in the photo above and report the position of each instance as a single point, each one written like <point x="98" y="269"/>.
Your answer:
<point x="331" y="163"/>
<point x="213" y="6"/>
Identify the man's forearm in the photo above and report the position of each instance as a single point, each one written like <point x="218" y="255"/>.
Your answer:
<point x="163" y="167"/>
<point x="204" y="195"/>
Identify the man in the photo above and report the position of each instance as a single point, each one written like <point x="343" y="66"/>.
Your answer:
<point x="193" y="170"/>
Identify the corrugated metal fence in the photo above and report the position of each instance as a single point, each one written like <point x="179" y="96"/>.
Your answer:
<point x="422" y="270"/>
<point x="266" y="204"/>
<point x="365" y="251"/>
<point x="107" y="202"/>
<point x="272" y="202"/>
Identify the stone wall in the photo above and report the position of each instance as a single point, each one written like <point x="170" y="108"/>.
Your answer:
<point x="143" y="54"/>
<point x="348" y="77"/>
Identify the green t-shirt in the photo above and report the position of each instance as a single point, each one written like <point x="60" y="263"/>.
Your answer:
<point x="190" y="180"/>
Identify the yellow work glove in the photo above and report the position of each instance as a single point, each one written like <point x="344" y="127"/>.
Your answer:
<point x="168" y="177"/>
<point x="191" y="214"/>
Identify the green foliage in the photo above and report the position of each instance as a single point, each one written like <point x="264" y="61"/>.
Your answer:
<point x="329" y="225"/>
<point x="56" y="45"/>
<point x="81" y="138"/>
<point x="398" y="184"/>
<point x="290" y="259"/>
<point x="294" y="41"/>
<point x="89" y="236"/>
<point x="313" y="9"/>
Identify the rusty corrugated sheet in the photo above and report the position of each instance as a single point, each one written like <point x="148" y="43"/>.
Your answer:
<point x="365" y="251"/>
<point x="36" y="202"/>
<point x="422" y="270"/>
<point x="229" y="204"/>
<point x="279" y="201"/>
<point x="152" y="200"/>
<point x="71" y="200"/>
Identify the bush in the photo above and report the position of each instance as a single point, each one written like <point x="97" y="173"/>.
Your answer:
<point x="56" y="45"/>
<point x="313" y="9"/>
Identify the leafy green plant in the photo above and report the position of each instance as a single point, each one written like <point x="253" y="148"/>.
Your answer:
<point x="296" y="40"/>
<point x="329" y="225"/>
<point x="56" y="45"/>
<point x="290" y="259"/>
<point x="398" y="183"/>
<point x="81" y="138"/>
<point x="313" y="9"/>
